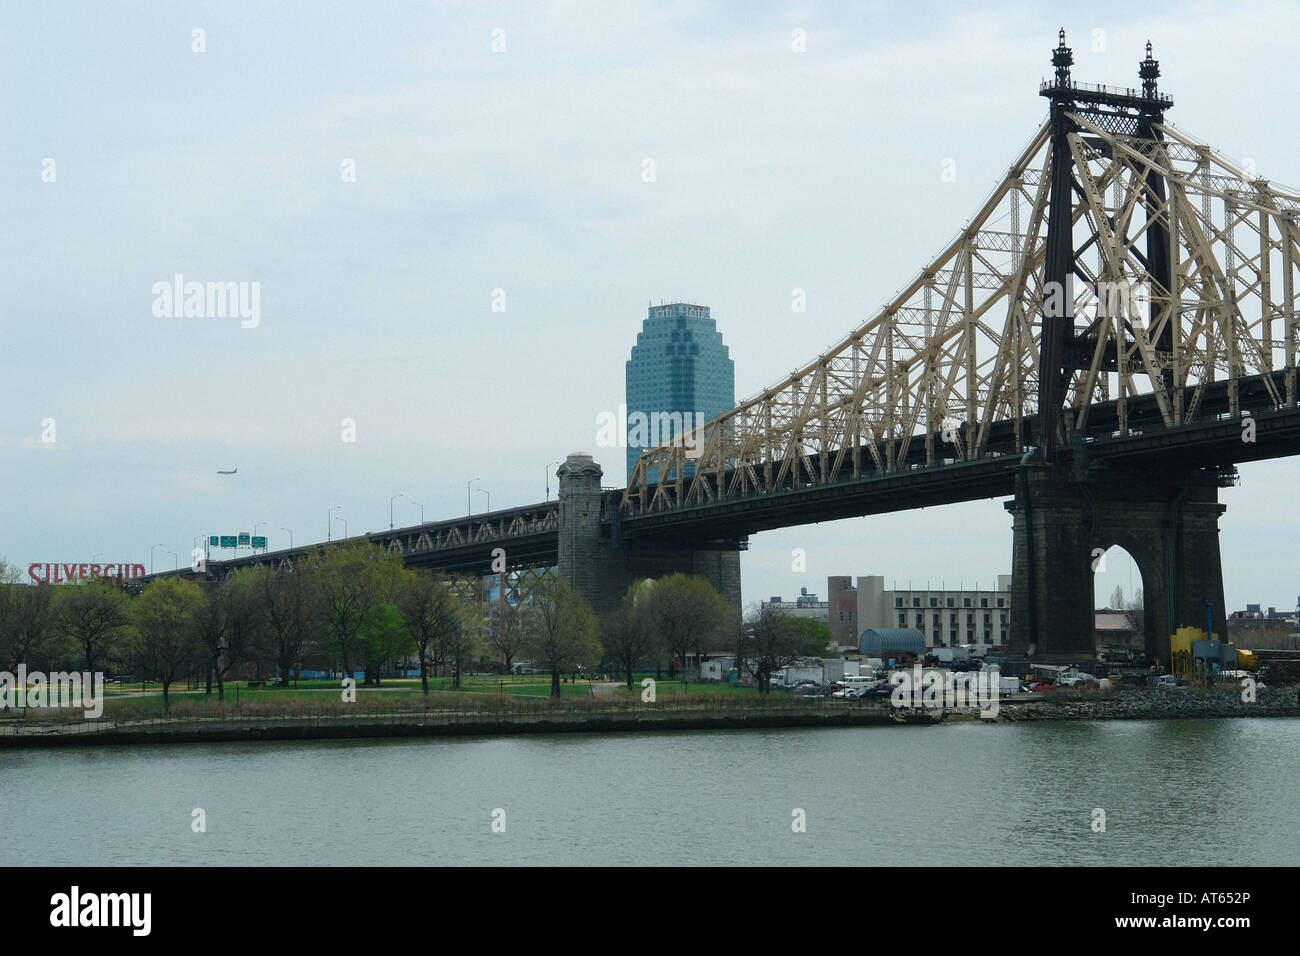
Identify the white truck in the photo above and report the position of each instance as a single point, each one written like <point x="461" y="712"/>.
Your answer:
<point x="836" y="670"/>
<point x="794" y="674"/>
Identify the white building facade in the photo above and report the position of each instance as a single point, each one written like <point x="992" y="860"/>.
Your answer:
<point x="947" y="617"/>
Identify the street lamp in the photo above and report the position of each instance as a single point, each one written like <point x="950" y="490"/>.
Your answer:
<point x="548" y="479"/>
<point x="469" y="509"/>
<point x="290" y="530"/>
<point x="253" y="533"/>
<point x="329" y="523"/>
<point x="151" y="551"/>
<point x="176" y="560"/>
<point x="421" y="507"/>
<point x="345" y="525"/>
<point x="390" y="509"/>
<point x="489" y="497"/>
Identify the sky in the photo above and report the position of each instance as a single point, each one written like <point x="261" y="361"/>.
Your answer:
<point x="445" y="210"/>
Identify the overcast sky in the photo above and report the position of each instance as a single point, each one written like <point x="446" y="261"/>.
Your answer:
<point x="519" y="170"/>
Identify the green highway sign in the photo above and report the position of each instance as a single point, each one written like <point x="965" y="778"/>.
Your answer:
<point x="214" y="541"/>
<point x="259" y="541"/>
<point x="243" y="539"/>
<point x="228" y="540"/>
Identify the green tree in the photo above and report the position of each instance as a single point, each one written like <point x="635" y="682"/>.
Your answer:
<point x="383" y="637"/>
<point x="27" y="619"/>
<point x="559" y="629"/>
<point x="627" y="634"/>
<point x="688" y="615"/>
<point x="164" y="634"/>
<point x="353" y="580"/>
<point x="92" y="614"/>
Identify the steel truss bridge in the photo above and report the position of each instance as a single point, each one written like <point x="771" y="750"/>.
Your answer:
<point x="1125" y="300"/>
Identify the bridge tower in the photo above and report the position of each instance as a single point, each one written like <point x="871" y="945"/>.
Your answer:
<point x="601" y="565"/>
<point x="1066" y="517"/>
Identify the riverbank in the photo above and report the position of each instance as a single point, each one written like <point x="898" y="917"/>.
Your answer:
<point x="1156" y="704"/>
<point x="435" y="724"/>
<point x="626" y="718"/>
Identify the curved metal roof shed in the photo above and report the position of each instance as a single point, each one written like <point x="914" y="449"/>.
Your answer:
<point x="886" y="642"/>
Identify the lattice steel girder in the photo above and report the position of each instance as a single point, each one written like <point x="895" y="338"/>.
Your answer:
<point x="957" y="351"/>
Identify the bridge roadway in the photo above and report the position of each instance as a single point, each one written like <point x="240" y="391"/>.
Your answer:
<point x="1214" y="440"/>
<point x="529" y="537"/>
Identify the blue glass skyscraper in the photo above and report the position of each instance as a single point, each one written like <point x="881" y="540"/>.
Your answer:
<point x="678" y="365"/>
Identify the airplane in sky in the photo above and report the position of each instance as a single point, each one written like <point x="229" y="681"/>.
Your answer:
<point x="229" y="472"/>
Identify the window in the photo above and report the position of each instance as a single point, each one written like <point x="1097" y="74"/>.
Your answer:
<point x="984" y="602"/>
<point x="950" y="602"/>
<point x="987" y="619"/>
<point x="965" y="602"/>
<point x="1001" y="602"/>
<point x="936" y="620"/>
<point x="952" y="620"/>
<point x="919" y="622"/>
<point x="988" y="637"/>
<point x="934" y="602"/>
<point x="1004" y="620"/>
<point x="916" y="602"/>
<point x="902" y="620"/>
<point x="898" y="602"/>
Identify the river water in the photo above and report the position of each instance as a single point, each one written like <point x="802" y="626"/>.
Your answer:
<point x="1173" y="792"/>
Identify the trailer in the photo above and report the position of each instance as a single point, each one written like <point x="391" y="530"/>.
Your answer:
<point x="793" y="674"/>
<point x="836" y="669"/>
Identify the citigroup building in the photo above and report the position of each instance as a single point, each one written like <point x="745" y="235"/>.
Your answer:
<point x="679" y="376"/>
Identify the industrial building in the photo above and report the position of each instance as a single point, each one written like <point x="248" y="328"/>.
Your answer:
<point x="805" y="605"/>
<point x="945" y="616"/>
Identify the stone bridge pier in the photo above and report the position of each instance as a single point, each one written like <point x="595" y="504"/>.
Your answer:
<point x="1167" y="519"/>
<point x="601" y="567"/>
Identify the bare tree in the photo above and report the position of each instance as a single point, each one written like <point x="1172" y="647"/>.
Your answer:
<point x="559" y="629"/>
<point x="292" y="608"/>
<point x="627" y="634"/>
<point x="771" y="642"/>
<point x="506" y="634"/>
